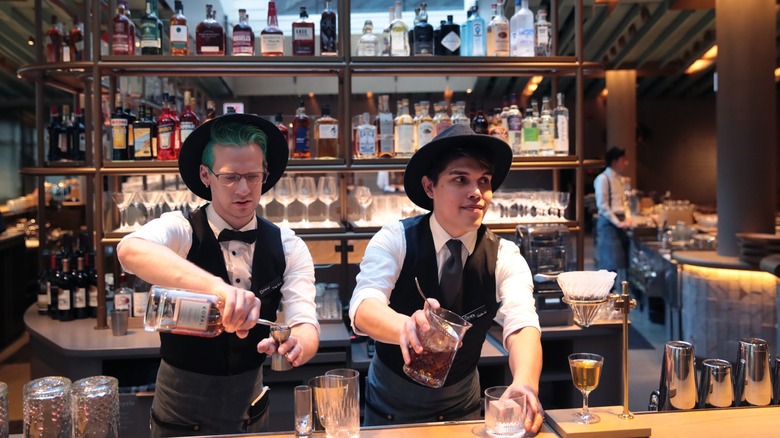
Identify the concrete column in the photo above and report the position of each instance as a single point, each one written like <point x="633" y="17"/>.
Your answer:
<point x="746" y="118"/>
<point x="621" y="116"/>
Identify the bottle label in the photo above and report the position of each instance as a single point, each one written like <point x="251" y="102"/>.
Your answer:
<point x="515" y="122"/>
<point x="150" y="37"/>
<point x="328" y="131"/>
<point x="165" y="136"/>
<point x="80" y="298"/>
<point x="211" y="41"/>
<point x="562" y="134"/>
<point x="92" y="293"/>
<point x="425" y="133"/>
<point x="192" y="313"/>
<point x="272" y="43"/>
<point x="120" y="41"/>
<point x="530" y="140"/>
<point x="328" y="35"/>
<point x="477" y="38"/>
<point x="186" y="130"/>
<point x="63" y="143"/>
<point x="179" y="37"/>
<point x="303" y="33"/>
<point x="242" y="42"/>
<point x="398" y="43"/>
<point x="405" y="139"/>
<point x="142" y="142"/>
<point x="501" y="38"/>
<point x="82" y="142"/>
<point x="301" y="140"/>
<point x="525" y="42"/>
<point x="367" y="141"/>
<point x="122" y="301"/>
<point x="423" y="40"/>
<point x="119" y="133"/>
<point x="63" y="299"/>
<point x="139" y="303"/>
<point x="367" y="48"/>
<point x="451" y="41"/>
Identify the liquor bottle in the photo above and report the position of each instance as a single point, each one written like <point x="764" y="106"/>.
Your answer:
<point x="542" y="34"/>
<point x="78" y="136"/>
<point x="272" y="38"/>
<point x="123" y="298"/>
<point x="66" y="140"/>
<point x="166" y="128"/>
<point x="209" y="35"/>
<point x="497" y="127"/>
<point x="53" y="132"/>
<point x="188" y="120"/>
<point x="76" y="41"/>
<point x="151" y="30"/>
<point x="459" y="114"/>
<point x="450" y="38"/>
<point x="505" y="117"/>
<point x="465" y="33"/>
<point x="326" y="135"/>
<point x="301" y="132"/>
<point x="384" y="128"/>
<point x="399" y="40"/>
<point x="243" y="37"/>
<point x="80" y="284"/>
<point x="55" y="266"/>
<point x="423" y="34"/>
<point x="437" y="38"/>
<point x="177" y="124"/>
<point x="498" y="33"/>
<point x="180" y="37"/>
<point x="479" y="123"/>
<point x="124" y="33"/>
<point x="303" y="35"/>
<point x="477" y="40"/>
<point x="132" y="29"/>
<point x="441" y="120"/>
<point x="366" y="138"/>
<point x="404" y="130"/>
<point x="279" y="122"/>
<point x="561" y="116"/>
<point x="44" y="285"/>
<point x="92" y="290"/>
<point x="521" y="37"/>
<point x="424" y="127"/>
<point x="54" y="40"/>
<point x="386" y="32"/>
<point x="530" y="145"/>
<point x="546" y="129"/>
<point x="368" y="45"/>
<point x="65" y="292"/>
<point x="328" y="31"/>
<point x="211" y="110"/>
<point x="119" y="124"/>
<point x="515" y="126"/>
<point x="143" y="132"/>
<point x="410" y="34"/>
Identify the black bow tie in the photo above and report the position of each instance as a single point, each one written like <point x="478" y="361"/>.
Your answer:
<point x="248" y="236"/>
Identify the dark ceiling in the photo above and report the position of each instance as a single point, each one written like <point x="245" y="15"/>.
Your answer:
<point x="659" y="38"/>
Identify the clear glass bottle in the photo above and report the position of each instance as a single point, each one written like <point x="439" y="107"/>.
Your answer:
<point x="121" y="38"/>
<point x="498" y="33"/>
<point x="384" y="128"/>
<point x="179" y="36"/>
<point x="54" y="39"/>
<point x="243" y="37"/>
<point x="441" y="120"/>
<point x="328" y="31"/>
<point x="151" y="30"/>
<point x="465" y="34"/>
<point x="450" y="38"/>
<point x="515" y="128"/>
<point x="478" y="41"/>
<point x="530" y="145"/>
<point x="561" y="116"/>
<point x="542" y="34"/>
<point x="404" y="130"/>
<point x="521" y="38"/>
<point x="546" y="129"/>
<point x="459" y="114"/>
<point x="399" y="38"/>
<point x="496" y="127"/>
<point x="183" y="312"/>
<point x="210" y="35"/>
<point x="423" y="34"/>
<point x="368" y="45"/>
<point x="326" y="135"/>
<point x="386" y="32"/>
<point x="366" y="138"/>
<point x="303" y="35"/>
<point x="424" y="126"/>
<point x="272" y="37"/>
<point x="301" y="132"/>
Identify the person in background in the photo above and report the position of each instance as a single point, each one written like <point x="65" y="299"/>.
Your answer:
<point x="3" y="225"/>
<point x="208" y="386"/>
<point x="454" y="177"/>
<point x="614" y="216"/>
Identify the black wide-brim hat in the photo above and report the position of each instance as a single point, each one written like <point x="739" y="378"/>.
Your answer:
<point x="191" y="153"/>
<point x="494" y="149"/>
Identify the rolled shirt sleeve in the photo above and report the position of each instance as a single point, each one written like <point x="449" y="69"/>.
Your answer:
<point x="515" y="288"/>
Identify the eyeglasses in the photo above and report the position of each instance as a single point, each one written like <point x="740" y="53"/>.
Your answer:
<point x="252" y="178"/>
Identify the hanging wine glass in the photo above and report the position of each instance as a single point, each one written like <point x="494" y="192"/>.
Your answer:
<point x="328" y="193"/>
<point x="266" y="199"/>
<point x="284" y="193"/>
<point x="150" y="199"/>
<point x="563" y="203"/>
<point x="122" y="201"/>
<point x="585" y="373"/>
<point x="306" y="193"/>
<point x="364" y="198"/>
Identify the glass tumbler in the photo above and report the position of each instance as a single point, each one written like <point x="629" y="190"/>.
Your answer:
<point x="46" y="408"/>
<point x="3" y="410"/>
<point x="95" y="407"/>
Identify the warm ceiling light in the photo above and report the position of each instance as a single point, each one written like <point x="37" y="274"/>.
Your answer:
<point x="469" y="90"/>
<point x="311" y="95"/>
<point x="370" y="94"/>
<point x="604" y="92"/>
<point x="706" y="60"/>
<point x="31" y="41"/>
<point x="777" y="74"/>
<point x="532" y="85"/>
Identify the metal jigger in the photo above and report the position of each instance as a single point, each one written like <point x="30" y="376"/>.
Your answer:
<point x="280" y="334"/>
<point x="623" y="303"/>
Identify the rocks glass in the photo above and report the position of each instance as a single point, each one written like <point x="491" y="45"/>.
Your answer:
<point x="95" y="407"/>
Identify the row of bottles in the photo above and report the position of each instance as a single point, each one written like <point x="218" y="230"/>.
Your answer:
<point x="61" y="46"/>
<point x="535" y="133"/>
<point x="68" y="283"/>
<point x="211" y="38"/>
<point x="65" y="136"/>
<point x="319" y="139"/>
<point x="144" y="137"/>
<point x="500" y="36"/>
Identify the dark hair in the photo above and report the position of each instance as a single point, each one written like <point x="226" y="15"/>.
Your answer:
<point x="613" y="154"/>
<point x="453" y="154"/>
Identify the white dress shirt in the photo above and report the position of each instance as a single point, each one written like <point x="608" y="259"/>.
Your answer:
<point x="611" y="195"/>
<point x="174" y="231"/>
<point x="384" y="258"/>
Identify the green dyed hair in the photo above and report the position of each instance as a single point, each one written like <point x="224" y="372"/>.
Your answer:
<point x="232" y="134"/>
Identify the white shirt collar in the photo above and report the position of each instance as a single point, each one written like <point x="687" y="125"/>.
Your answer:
<point x="218" y="224"/>
<point x="441" y="237"/>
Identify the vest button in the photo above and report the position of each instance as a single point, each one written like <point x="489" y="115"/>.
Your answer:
<point x="196" y="427"/>
<point x="238" y="280"/>
<point x="389" y="417"/>
<point x="234" y="253"/>
<point x="440" y="417"/>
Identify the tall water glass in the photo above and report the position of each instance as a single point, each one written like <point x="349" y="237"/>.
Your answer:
<point x="95" y="407"/>
<point x="303" y="413"/>
<point x="3" y="410"/>
<point x="46" y="408"/>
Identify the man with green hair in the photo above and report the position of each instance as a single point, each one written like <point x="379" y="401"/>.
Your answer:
<point x="210" y="386"/>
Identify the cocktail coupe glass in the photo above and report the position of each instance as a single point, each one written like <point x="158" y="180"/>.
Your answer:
<point x="150" y="199"/>
<point x="136" y="202"/>
<point x="306" y="191"/>
<point x="364" y="198"/>
<point x="122" y="201"/>
<point x="265" y="199"/>
<point x="284" y="193"/>
<point x="328" y="193"/>
<point x="585" y="373"/>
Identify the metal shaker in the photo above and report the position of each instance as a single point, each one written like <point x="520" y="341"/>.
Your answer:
<point x="753" y="385"/>
<point x="677" y="390"/>
<point x="716" y="386"/>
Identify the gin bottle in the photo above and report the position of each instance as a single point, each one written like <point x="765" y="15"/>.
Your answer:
<point x="561" y="116"/>
<point x="183" y="313"/>
<point x="477" y="41"/>
<point x="546" y="129"/>
<point x="404" y="130"/>
<point x="498" y="33"/>
<point x="530" y="144"/>
<point x="384" y="125"/>
<point x="424" y="127"/>
<point x="521" y="38"/>
<point x="399" y="39"/>
<point x="450" y="38"/>
<point x="423" y="34"/>
<point x="459" y="114"/>
<point x="366" y="138"/>
<point x="542" y="34"/>
<point x="368" y="43"/>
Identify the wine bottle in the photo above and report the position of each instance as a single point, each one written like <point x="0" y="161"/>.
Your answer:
<point x="65" y="292"/>
<point x="44" y="285"/>
<point x="80" y="284"/>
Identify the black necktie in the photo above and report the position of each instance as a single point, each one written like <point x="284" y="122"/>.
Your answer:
<point x="248" y="236"/>
<point x="452" y="275"/>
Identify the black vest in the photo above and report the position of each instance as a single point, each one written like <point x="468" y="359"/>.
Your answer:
<point x="226" y="354"/>
<point x="477" y="301"/>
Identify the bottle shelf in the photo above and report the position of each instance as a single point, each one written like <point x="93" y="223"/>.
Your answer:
<point x="467" y="65"/>
<point x="161" y="65"/>
<point x="67" y="169"/>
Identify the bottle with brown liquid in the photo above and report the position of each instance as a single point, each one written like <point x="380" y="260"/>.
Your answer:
<point x="272" y="37"/>
<point x="166" y="133"/>
<point x="243" y="37"/>
<point x="183" y="313"/>
<point x="303" y="35"/>
<point x="188" y="120"/>
<point x="209" y="35"/>
<point x="180" y="37"/>
<point x="384" y="128"/>
<point x="54" y="40"/>
<point x="328" y="40"/>
<point x="326" y="135"/>
<point x="301" y="133"/>
<point x="123" y="38"/>
<point x="211" y="110"/>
